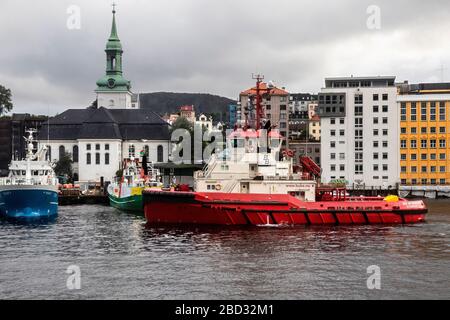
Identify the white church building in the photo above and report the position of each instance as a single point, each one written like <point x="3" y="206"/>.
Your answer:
<point x="100" y="137"/>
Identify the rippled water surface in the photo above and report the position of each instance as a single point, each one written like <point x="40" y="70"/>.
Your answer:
<point x="122" y="258"/>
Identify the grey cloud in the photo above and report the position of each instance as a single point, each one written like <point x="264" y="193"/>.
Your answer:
<point x="212" y="46"/>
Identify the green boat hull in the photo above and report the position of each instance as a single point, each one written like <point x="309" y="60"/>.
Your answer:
<point x="132" y="203"/>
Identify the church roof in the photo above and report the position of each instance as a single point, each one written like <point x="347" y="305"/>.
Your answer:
<point x="102" y="123"/>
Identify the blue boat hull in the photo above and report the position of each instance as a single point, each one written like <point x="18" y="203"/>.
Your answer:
<point x="28" y="203"/>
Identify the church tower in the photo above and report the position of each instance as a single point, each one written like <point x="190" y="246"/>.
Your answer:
<point x="113" y="90"/>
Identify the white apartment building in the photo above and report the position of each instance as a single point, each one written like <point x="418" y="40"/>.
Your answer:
<point x="360" y="132"/>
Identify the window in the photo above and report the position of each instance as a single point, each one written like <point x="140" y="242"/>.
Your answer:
<point x="385" y="167"/>
<point x="414" y="181"/>
<point x="423" y="144"/>
<point x="359" y="169"/>
<point x="413" y="111"/>
<point x="333" y="144"/>
<point x="432" y="156"/>
<point x="442" y="156"/>
<point x="375" y="97"/>
<point x="385" y="120"/>
<point x="358" y="122"/>
<point x="107" y="147"/>
<point x="62" y="152"/>
<point x="442" y="181"/>
<point x="358" y="134"/>
<point x="375" y="156"/>
<point x="147" y="151"/>
<point x="442" y="130"/>
<point x="423" y="130"/>
<point x="413" y="130"/>
<point x="342" y="167"/>
<point x="385" y="108"/>
<point x="333" y="133"/>
<point x="413" y="144"/>
<point x="442" y="143"/>
<point x="433" y="143"/>
<point x="433" y="169"/>
<point x="385" y="144"/>
<point x="375" y="120"/>
<point x="385" y="97"/>
<point x="97" y="147"/>
<point x="424" y="169"/>
<point x="403" y="157"/>
<point x="433" y="181"/>
<point x="358" y="157"/>
<point x="97" y="158"/>
<point x="75" y="154"/>
<point x="423" y="111"/>
<point x="332" y="121"/>
<point x="376" y="109"/>
<point x="88" y="147"/>
<point x="442" y="115"/>
<point x="375" y="132"/>
<point x="376" y="167"/>
<point x="333" y="156"/>
<point x="341" y="156"/>
<point x="433" y="130"/>
<point x="106" y="158"/>
<point x="424" y="181"/>
<point x="131" y="151"/>
<point x="403" y="144"/>
<point x="342" y="132"/>
<point x="413" y="156"/>
<point x="385" y="156"/>
<point x="433" y="111"/>
<point x="358" y="111"/>
<point x="403" y="169"/>
<point x="332" y="167"/>
<point x="403" y="130"/>
<point x="403" y="181"/>
<point x="376" y="144"/>
<point x="385" y="132"/>
<point x="442" y="169"/>
<point x="414" y="169"/>
<point x="48" y="155"/>
<point x="403" y="111"/>
<point x="423" y="156"/>
<point x="358" y="99"/>
<point x="160" y="154"/>
<point x="88" y="158"/>
<point x="358" y="145"/>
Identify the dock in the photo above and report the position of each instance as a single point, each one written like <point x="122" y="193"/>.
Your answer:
<point x="70" y="200"/>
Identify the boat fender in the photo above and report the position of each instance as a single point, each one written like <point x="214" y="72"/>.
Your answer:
<point x="218" y="187"/>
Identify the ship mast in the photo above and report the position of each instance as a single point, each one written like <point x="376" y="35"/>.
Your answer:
<point x="259" y="109"/>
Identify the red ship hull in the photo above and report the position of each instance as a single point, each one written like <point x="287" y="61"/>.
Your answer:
<point x="254" y="209"/>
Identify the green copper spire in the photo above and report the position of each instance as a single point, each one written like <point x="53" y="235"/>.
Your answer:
<point x="113" y="80"/>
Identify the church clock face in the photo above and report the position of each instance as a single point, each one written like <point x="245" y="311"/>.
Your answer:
<point x="111" y="83"/>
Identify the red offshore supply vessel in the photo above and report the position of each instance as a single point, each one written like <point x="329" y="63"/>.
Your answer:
<point x="248" y="184"/>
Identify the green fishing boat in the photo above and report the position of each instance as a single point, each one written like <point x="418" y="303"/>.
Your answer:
<point x="125" y="192"/>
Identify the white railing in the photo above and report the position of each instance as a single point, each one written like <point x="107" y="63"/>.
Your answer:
<point x="23" y="181"/>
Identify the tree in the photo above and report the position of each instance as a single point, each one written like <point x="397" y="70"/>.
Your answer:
<point x="5" y="100"/>
<point x="64" y="168"/>
<point x="182" y="123"/>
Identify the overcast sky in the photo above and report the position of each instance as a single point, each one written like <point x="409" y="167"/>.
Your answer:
<point x="212" y="46"/>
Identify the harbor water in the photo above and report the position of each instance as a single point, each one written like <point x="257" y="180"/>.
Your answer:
<point x="119" y="257"/>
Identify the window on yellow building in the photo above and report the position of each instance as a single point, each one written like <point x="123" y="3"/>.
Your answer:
<point x="441" y="129"/>
<point x="403" y="144"/>
<point x="413" y="156"/>
<point x="403" y="111"/>
<point x="423" y="144"/>
<point x="413" y="111"/>
<point x="433" y="111"/>
<point x="413" y="144"/>
<point x="442" y="143"/>
<point x="433" y="143"/>
<point x="442" y="115"/>
<point x="413" y="130"/>
<point x="414" y="169"/>
<point x="423" y="111"/>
